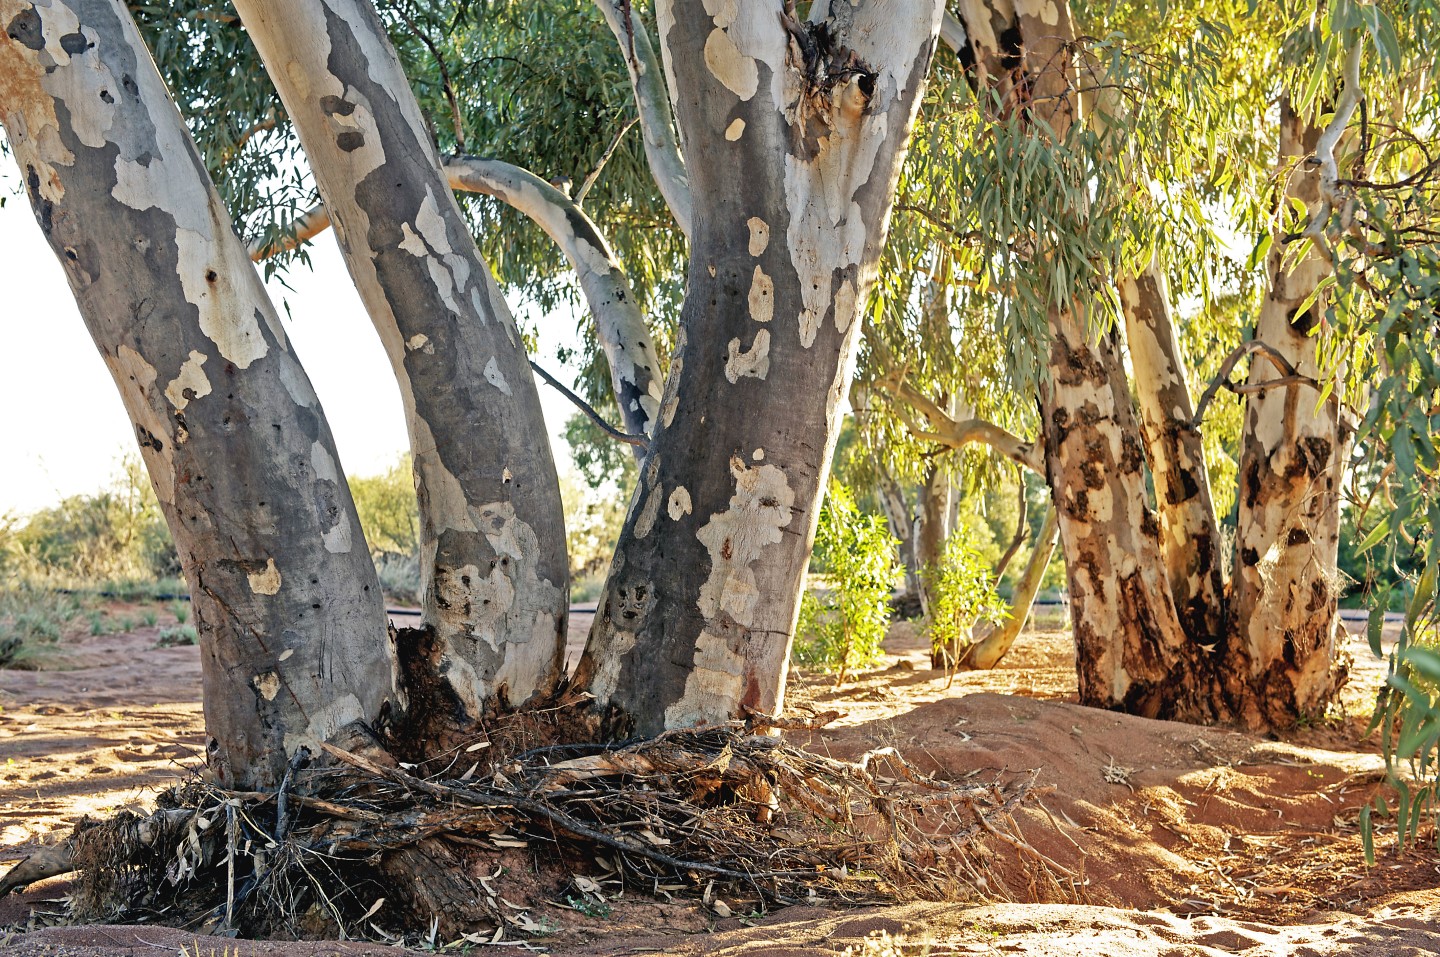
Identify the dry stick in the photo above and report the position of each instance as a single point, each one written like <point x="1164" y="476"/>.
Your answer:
<point x="559" y="818"/>
<point x="600" y="166"/>
<point x="1222" y="378"/>
<point x="610" y="430"/>
<point x="230" y="844"/>
<point x="445" y="84"/>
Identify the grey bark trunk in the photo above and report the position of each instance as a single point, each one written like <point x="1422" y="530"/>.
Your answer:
<point x="795" y="147"/>
<point x="932" y="529"/>
<point x="1285" y="587"/>
<point x="896" y="506"/>
<point x="492" y="532"/>
<point x="287" y="606"/>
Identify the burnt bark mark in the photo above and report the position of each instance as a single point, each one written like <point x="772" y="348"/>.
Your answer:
<point x="434" y="714"/>
<point x="26" y="29"/>
<point x="1312" y="458"/>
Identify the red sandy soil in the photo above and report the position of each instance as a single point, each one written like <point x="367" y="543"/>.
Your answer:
<point x="1161" y="839"/>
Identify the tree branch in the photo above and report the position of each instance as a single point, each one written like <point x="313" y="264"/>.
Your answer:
<point x="1288" y="376"/>
<point x="600" y="166"/>
<point x="635" y="367"/>
<point x="652" y="103"/>
<point x="1021" y="527"/>
<point x="987" y="652"/>
<point x="636" y="440"/>
<point x="1330" y="197"/>
<point x="445" y="84"/>
<point x="958" y="433"/>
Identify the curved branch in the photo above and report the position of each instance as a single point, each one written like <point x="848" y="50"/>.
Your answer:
<point x="638" y="441"/>
<point x="309" y="225"/>
<point x="958" y="433"/>
<point x="635" y="369"/>
<point x="652" y="102"/>
<point x="1288" y="376"/>
<point x="1330" y="198"/>
<point x="987" y="652"/>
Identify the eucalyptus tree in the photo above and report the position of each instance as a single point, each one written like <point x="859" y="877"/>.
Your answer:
<point x="777" y="144"/>
<point x="1085" y="180"/>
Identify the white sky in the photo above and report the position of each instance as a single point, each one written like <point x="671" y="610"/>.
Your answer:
<point x="69" y="440"/>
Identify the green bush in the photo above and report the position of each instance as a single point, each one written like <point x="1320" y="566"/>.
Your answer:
<point x="841" y="627"/>
<point x="179" y="635"/>
<point x="33" y="618"/>
<point x="117" y="533"/>
<point x="962" y="593"/>
<point x="388" y="509"/>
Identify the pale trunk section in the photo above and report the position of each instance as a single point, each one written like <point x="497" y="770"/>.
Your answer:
<point x="619" y="324"/>
<point x="1132" y="652"/>
<point x="289" y="613"/>
<point x="795" y="137"/>
<point x="492" y="534"/>
<point x="1285" y="585"/>
<point x="989" y="650"/>
<point x="932" y="529"/>
<point x="652" y="105"/>
<point x="1189" y="535"/>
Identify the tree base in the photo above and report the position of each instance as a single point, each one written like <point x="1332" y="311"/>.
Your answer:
<point x="360" y="847"/>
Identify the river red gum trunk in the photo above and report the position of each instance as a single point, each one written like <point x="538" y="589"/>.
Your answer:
<point x="290" y="617"/>
<point x="1286" y="585"/>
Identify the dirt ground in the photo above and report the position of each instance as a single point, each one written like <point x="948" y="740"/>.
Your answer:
<point x="1157" y="838"/>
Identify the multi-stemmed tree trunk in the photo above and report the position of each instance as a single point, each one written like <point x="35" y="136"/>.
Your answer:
<point x="799" y="129"/>
<point x="288" y="609"/>
<point x="795" y="132"/>
<point x="1132" y="651"/>
<point x="1155" y="633"/>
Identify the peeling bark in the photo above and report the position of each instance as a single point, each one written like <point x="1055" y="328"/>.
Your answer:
<point x="492" y="535"/>
<point x="1189" y="535"/>
<point x="287" y="606"/>
<point x="796" y="133"/>
<point x="1284" y="592"/>
<point x="1132" y="650"/>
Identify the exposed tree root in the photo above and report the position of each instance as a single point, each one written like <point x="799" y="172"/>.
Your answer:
<point x="700" y="811"/>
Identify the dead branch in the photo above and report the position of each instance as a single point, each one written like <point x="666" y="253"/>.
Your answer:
<point x="722" y="805"/>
